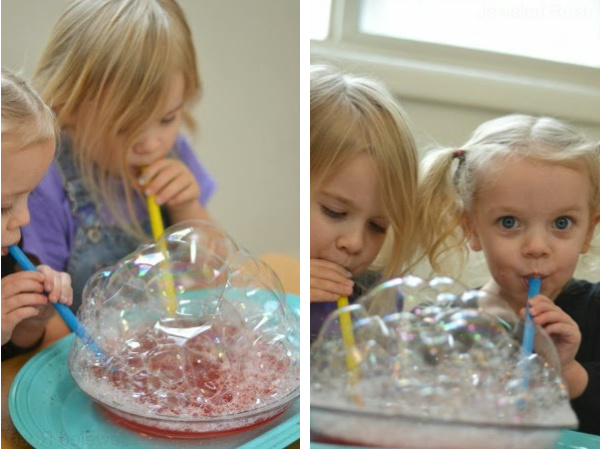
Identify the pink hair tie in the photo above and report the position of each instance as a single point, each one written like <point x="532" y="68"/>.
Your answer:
<point x="459" y="153"/>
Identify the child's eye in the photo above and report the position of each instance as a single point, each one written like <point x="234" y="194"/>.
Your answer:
<point x="563" y="223"/>
<point x="508" y="222"/>
<point x="167" y="120"/>
<point x="6" y="210"/>
<point x="332" y="213"/>
<point x="380" y="229"/>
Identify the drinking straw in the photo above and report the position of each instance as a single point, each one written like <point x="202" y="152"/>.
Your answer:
<point x="529" y="329"/>
<point x="66" y="314"/>
<point x="347" y="334"/>
<point x="348" y="339"/>
<point x="157" y="230"/>
<point x="155" y="217"/>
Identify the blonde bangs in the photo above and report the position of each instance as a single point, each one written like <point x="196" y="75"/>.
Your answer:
<point x="26" y="119"/>
<point x="333" y="142"/>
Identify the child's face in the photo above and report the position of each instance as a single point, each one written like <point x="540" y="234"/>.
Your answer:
<point x="532" y="219"/>
<point x="347" y="220"/>
<point x="158" y="139"/>
<point x="22" y="170"/>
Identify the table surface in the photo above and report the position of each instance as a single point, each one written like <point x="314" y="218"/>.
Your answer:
<point x="287" y="269"/>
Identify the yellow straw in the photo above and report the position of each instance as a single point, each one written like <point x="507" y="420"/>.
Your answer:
<point x="157" y="230"/>
<point x="155" y="217"/>
<point x="347" y="334"/>
<point x="348" y="338"/>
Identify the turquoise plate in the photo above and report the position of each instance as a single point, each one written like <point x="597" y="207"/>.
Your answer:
<point x="50" y="411"/>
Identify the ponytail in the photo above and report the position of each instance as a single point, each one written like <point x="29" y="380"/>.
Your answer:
<point x="441" y="211"/>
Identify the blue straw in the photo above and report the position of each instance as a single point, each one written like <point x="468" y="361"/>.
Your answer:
<point x="62" y="310"/>
<point x="529" y="329"/>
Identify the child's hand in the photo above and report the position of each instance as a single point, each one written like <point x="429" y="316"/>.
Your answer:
<point x="171" y="182"/>
<point x="328" y="281"/>
<point x="57" y="285"/>
<point x="22" y="294"/>
<point x="560" y="326"/>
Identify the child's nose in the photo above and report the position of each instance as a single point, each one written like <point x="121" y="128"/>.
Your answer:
<point x="147" y="144"/>
<point x="20" y="218"/>
<point x="536" y="245"/>
<point x="352" y="240"/>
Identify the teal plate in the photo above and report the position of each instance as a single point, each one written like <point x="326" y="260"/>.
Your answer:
<point x="50" y="411"/>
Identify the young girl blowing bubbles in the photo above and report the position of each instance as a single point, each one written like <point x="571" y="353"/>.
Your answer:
<point x="526" y="191"/>
<point x="28" y="140"/>
<point x="363" y="182"/>
<point x="122" y="77"/>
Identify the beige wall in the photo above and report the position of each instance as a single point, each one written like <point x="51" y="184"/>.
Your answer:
<point x="249" y="118"/>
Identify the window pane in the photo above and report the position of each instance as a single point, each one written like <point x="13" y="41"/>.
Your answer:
<point x="558" y="30"/>
<point x="320" y="10"/>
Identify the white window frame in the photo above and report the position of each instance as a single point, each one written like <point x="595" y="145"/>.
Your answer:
<point x="473" y="78"/>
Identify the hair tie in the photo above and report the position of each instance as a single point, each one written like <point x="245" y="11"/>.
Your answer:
<point x="460" y="154"/>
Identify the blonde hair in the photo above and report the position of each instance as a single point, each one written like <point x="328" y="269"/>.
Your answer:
<point x="25" y="117"/>
<point x="451" y="177"/>
<point x="350" y="115"/>
<point x="115" y="58"/>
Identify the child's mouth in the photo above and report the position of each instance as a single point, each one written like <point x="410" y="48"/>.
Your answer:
<point x="529" y="276"/>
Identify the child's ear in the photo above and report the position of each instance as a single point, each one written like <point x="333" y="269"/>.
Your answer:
<point x="470" y="231"/>
<point x="594" y="222"/>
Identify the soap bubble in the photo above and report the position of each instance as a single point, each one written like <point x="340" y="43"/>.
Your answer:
<point x="196" y="336"/>
<point x="427" y="354"/>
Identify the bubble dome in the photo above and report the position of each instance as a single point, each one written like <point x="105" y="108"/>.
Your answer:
<point x="190" y="337"/>
<point x="429" y="364"/>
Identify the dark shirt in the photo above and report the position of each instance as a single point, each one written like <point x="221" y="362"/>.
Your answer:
<point x="9" y="349"/>
<point x="581" y="301"/>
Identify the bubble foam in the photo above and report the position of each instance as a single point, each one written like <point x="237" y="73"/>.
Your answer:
<point x="227" y="358"/>
<point x="429" y="356"/>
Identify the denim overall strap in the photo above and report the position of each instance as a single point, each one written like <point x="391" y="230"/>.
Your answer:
<point x="97" y="244"/>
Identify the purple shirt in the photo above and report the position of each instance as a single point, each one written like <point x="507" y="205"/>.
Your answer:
<point x="51" y="233"/>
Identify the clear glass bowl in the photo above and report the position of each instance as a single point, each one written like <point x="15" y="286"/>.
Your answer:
<point x="352" y="427"/>
<point x="424" y="364"/>
<point x="190" y="337"/>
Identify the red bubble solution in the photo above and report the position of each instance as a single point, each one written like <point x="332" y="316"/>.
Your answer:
<point x="158" y="430"/>
<point x="216" y="382"/>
